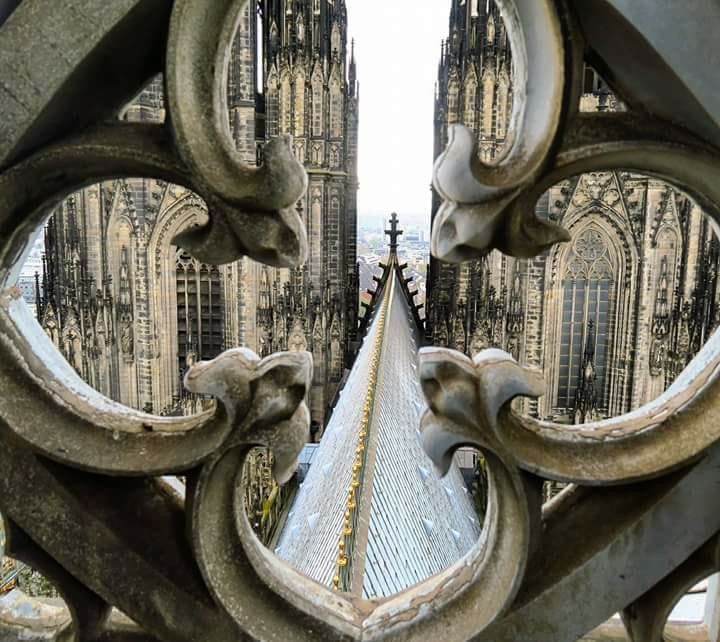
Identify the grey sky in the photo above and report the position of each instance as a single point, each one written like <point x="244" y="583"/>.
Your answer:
<point x="397" y="47"/>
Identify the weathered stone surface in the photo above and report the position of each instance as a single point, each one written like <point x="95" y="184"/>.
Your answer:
<point x="78" y="475"/>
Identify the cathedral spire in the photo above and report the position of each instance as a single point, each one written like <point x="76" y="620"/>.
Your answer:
<point x="352" y="72"/>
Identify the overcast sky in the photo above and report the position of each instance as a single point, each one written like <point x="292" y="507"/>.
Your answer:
<point x="397" y="47"/>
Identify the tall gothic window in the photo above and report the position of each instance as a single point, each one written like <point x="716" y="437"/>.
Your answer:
<point x="453" y="99"/>
<point x="273" y="114"/>
<point x="470" y="98"/>
<point x="285" y="106"/>
<point x="488" y="83"/>
<point x="200" y="310"/>
<point x="502" y="105"/>
<point x="300" y="104"/>
<point x="336" y="108"/>
<point x="317" y="105"/>
<point x="588" y="289"/>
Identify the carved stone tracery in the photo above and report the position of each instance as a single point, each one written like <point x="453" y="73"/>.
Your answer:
<point x="78" y="474"/>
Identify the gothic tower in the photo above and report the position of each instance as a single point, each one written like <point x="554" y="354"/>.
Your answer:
<point x="311" y="92"/>
<point x="474" y="88"/>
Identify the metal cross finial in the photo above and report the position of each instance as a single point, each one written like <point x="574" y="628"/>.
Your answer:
<point x="393" y="233"/>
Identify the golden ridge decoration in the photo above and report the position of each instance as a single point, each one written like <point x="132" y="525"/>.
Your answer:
<point x="343" y="571"/>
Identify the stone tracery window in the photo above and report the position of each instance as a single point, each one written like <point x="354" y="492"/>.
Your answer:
<point x="272" y="102"/>
<point x="317" y="105"/>
<point x="588" y="289"/>
<point x="300" y="104"/>
<point x="488" y="83"/>
<point x="453" y="101"/>
<point x="470" y="99"/>
<point x="200" y="310"/>
<point x="336" y="108"/>
<point x="285" y="106"/>
<point x="502" y="105"/>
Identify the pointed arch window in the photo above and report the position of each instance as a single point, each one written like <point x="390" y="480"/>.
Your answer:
<point x="503" y="113"/>
<point x="300" y="104"/>
<point x="453" y="100"/>
<point x="200" y="310"/>
<point x="317" y="105"/>
<point x="664" y="267"/>
<point x="336" y="109"/>
<point x="470" y="118"/>
<point x="589" y="282"/>
<point x="666" y="260"/>
<point x="668" y="245"/>
<point x="488" y="83"/>
<point x="285" y="106"/>
<point x="272" y="100"/>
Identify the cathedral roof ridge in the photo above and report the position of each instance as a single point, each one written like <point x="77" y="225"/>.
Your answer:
<point x="360" y="522"/>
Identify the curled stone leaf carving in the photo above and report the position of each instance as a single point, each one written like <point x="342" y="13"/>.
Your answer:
<point x="467" y="395"/>
<point x="464" y="398"/>
<point x="252" y="209"/>
<point x="639" y="445"/>
<point x="264" y="400"/>
<point x="468" y="405"/>
<point x="472" y="218"/>
<point x="78" y="473"/>
<point x="464" y="230"/>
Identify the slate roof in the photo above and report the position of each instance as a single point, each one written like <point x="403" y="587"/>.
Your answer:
<point x="419" y="523"/>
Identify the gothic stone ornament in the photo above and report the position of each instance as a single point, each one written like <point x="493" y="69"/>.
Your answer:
<point x="276" y="386"/>
<point x="464" y="398"/>
<point x="465" y="230"/>
<point x="473" y="216"/>
<point x="78" y="473"/>
<point x="671" y="431"/>
<point x="468" y="405"/>
<point x="261" y="403"/>
<point x="482" y="211"/>
<point x="252" y="209"/>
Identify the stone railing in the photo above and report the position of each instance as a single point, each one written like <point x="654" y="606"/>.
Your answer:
<point x="80" y="485"/>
